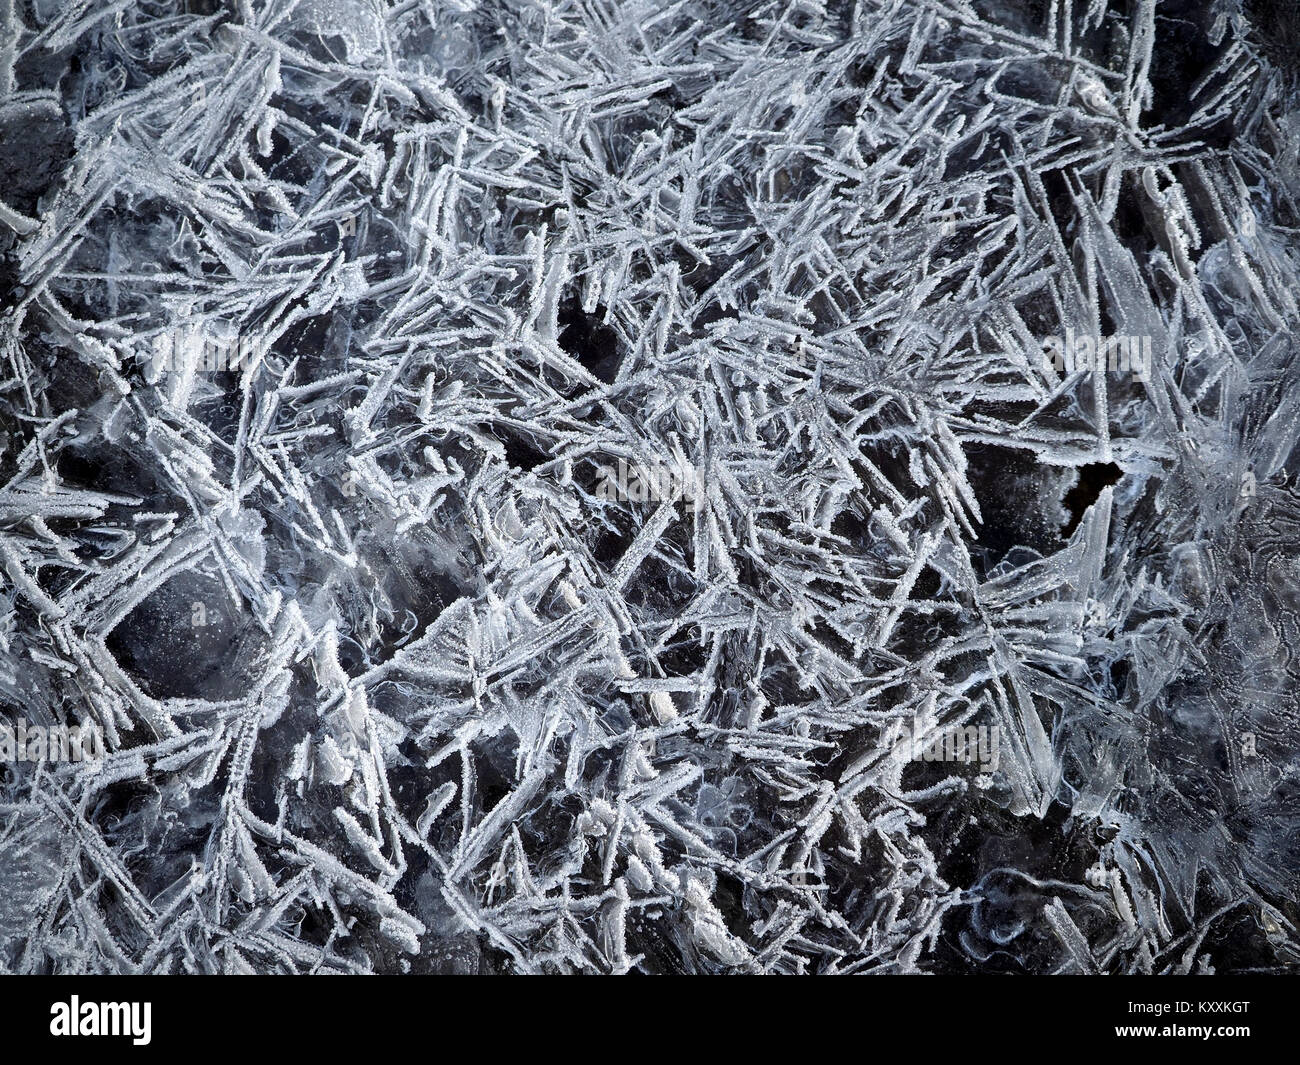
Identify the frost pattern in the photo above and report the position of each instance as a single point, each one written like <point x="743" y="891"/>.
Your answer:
<point x="389" y="684"/>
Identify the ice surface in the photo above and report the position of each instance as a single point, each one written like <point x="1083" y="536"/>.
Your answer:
<point x="391" y="681"/>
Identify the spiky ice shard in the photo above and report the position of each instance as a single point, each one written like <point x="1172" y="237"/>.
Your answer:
<point x="529" y="486"/>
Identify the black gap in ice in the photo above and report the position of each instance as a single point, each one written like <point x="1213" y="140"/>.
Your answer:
<point x="1093" y="477"/>
<point x="589" y="340"/>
